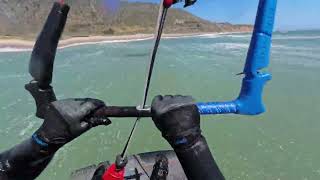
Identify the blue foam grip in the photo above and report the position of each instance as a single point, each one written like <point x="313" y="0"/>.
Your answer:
<point x="217" y="108"/>
<point x="249" y="101"/>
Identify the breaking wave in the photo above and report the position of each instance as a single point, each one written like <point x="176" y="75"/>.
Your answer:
<point x="10" y="49"/>
<point x="295" y="37"/>
<point x="231" y="46"/>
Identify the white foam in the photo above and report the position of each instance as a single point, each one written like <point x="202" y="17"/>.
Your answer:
<point x="231" y="46"/>
<point x="299" y="48"/>
<point x="295" y="37"/>
<point x="210" y="35"/>
<point x="103" y="42"/>
<point x="13" y="76"/>
<point x="239" y="36"/>
<point x="225" y="34"/>
<point x="10" y="49"/>
<point x="306" y="55"/>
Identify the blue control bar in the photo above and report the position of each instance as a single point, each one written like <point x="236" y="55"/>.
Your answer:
<point x="250" y="101"/>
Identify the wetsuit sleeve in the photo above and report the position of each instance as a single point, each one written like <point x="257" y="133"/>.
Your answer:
<point x="24" y="161"/>
<point x="198" y="162"/>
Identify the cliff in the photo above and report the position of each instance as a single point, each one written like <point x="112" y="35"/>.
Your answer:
<point x="24" y="19"/>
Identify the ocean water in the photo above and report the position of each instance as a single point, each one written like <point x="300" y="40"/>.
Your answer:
<point x="282" y="144"/>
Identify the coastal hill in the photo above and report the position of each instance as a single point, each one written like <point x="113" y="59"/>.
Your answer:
<point x="24" y="19"/>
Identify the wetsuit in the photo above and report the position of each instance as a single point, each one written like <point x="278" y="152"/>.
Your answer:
<point x="178" y="119"/>
<point x="24" y="161"/>
<point x="64" y="121"/>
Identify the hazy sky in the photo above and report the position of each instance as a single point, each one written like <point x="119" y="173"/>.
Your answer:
<point x="291" y="14"/>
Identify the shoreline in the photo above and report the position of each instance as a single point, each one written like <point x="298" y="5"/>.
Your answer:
<point x="19" y="45"/>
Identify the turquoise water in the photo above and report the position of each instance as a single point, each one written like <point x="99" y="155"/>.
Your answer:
<point x="281" y="144"/>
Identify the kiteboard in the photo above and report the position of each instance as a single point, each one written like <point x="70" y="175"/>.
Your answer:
<point x="140" y="166"/>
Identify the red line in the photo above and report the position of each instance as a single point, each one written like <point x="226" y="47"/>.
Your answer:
<point x="61" y="1"/>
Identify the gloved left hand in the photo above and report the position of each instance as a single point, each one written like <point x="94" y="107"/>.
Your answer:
<point x="67" y="119"/>
<point x="189" y="2"/>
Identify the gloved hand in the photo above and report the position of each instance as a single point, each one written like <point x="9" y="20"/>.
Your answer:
<point x="178" y="119"/>
<point x="189" y="2"/>
<point x="67" y="119"/>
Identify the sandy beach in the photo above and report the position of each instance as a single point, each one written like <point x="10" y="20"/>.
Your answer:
<point x="15" y="45"/>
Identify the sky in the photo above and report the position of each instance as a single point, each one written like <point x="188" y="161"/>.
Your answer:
<point x="291" y="14"/>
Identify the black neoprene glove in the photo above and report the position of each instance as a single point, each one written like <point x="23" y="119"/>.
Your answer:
<point x="67" y="119"/>
<point x="189" y="2"/>
<point x="178" y="119"/>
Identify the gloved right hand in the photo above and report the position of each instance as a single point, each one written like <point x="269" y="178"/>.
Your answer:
<point x="178" y="119"/>
<point x="67" y="119"/>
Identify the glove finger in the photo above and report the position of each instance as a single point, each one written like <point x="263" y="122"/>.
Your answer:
<point x="90" y="123"/>
<point x="156" y="103"/>
<point x="170" y="102"/>
<point x="167" y="97"/>
<point x="96" y="102"/>
<point x="82" y="127"/>
<point x="95" y="121"/>
<point x="90" y="105"/>
<point x="156" y="100"/>
<point x="184" y="99"/>
<point x="155" y="107"/>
